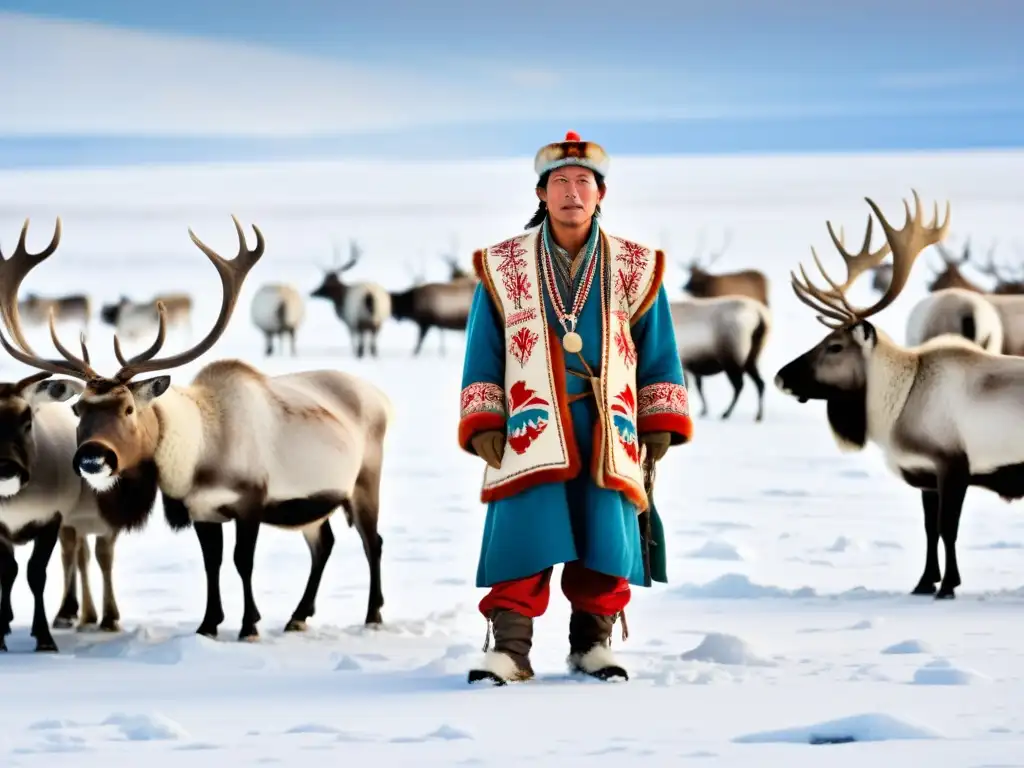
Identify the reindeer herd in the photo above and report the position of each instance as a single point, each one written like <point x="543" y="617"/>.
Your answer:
<point x="211" y="449"/>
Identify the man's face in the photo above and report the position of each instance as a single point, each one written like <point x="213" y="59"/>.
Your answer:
<point x="572" y="195"/>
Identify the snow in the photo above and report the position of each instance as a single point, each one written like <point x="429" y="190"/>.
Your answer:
<point x="787" y="620"/>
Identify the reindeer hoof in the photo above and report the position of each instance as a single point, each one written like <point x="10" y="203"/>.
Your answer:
<point x="295" y="625"/>
<point x="63" y="622"/>
<point x="110" y="625"/>
<point x="46" y="646"/>
<point x="924" y="588"/>
<point x="207" y="631"/>
<point x="249" y="634"/>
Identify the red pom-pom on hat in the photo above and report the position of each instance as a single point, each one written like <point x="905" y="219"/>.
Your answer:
<point x="572" y="136"/>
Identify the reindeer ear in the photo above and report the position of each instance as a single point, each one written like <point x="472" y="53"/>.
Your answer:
<point x="148" y="390"/>
<point x="864" y="334"/>
<point x="53" y="391"/>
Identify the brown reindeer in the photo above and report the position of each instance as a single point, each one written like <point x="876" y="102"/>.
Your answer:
<point x="73" y="307"/>
<point x="950" y="275"/>
<point x="235" y="445"/>
<point x="705" y="285"/>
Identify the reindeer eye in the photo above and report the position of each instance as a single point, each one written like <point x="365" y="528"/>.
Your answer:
<point x="832" y="349"/>
<point x="129" y="410"/>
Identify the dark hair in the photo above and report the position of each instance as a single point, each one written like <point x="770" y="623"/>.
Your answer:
<point x="542" y="209"/>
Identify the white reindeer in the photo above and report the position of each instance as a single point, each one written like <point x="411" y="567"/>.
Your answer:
<point x="41" y="498"/>
<point x="278" y="310"/>
<point x="947" y="415"/>
<point x="363" y="307"/>
<point x="238" y="445"/>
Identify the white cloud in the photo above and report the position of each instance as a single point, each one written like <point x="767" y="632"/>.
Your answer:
<point x="82" y="78"/>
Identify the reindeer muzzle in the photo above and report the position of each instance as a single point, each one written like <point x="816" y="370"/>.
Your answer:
<point x="13" y="475"/>
<point x="787" y="381"/>
<point x="96" y="460"/>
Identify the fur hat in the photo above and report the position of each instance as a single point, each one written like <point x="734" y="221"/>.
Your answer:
<point x="571" y="151"/>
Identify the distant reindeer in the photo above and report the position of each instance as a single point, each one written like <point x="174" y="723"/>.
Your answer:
<point x="35" y="309"/>
<point x="705" y="285"/>
<point x="363" y="307"/>
<point x="881" y="277"/>
<point x="444" y="306"/>
<point x="278" y="310"/>
<point x="458" y="272"/>
<point x="133" y="320"/>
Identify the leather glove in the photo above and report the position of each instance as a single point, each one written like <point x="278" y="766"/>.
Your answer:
<point x="490" y="446"/>
<point x="657" y="444"/>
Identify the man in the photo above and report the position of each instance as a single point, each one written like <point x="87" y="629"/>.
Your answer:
<point x="571" y="374"/>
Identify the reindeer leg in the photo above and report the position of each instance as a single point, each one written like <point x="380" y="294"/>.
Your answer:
<point x="42" y="549"/>
<point x="68" y="611"/>
<point x="365" y="513"/>
<point x="953" y="482"/>
<point x="736" y="379"/>
<point x="211" y="541"/>
<point x="246" y="532"/>
<point x="291" y="340"/>
<point x="419" y="341"/>
<point x="269" y="347"/>
<point x="755" y="376"/>
<point x="8" y="573"/>
<point x="320" y="542"/>
<point x="698" y="384"/>
<point x="932" y="573"/>
<point x="105" y="557"/>
<point x="88" y="606"/>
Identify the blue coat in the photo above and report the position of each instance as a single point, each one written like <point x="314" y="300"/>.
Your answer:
<point x="557" y="522"/>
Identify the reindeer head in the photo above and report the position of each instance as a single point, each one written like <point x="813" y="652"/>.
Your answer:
<point x="117" y="427"/>
<point x="1006" y="283"/>
<point x="332" y="287"/>
<point x="19" y="402"/>
<point x="836" y="369"/>
<point x="700" y="277"/>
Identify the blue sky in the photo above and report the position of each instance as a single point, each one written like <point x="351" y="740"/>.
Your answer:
<point x="112" y="82"/>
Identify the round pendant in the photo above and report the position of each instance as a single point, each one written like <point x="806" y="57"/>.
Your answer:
<point x="572" y="342"/>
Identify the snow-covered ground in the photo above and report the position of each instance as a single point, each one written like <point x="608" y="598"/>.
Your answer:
<point x="787" y="621"/>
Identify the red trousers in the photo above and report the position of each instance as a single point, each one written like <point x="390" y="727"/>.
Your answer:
<point x="586" y="590"/>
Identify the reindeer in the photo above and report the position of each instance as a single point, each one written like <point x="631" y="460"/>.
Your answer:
<point x="73" y="307"/>
<point x="458" y="272"/>
<point x="943" y="414"/>
<point x="702" y="284"/>
<point x="725" y="334"/>
<point x="134" y="319"/>
<point x="444" y="306"/>
<point x="232" y="446"/>
<point x="881" y="277"/>
<point x="363" y="307"/>
<point x="42" y="498"/>
<point x="278" y="310"/>
<point x="992" y="319"/>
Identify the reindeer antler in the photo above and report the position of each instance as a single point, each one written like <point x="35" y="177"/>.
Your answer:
<point x="13" y="271"/>
<point x="232" y="275"/>
<point x="906" y="245"/>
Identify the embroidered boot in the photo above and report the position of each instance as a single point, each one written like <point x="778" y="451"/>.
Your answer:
<point x="590" y="646"/>
<point x="509" y="659"/>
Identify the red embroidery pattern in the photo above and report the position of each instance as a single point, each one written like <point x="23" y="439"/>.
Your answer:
<point x="633" y="258"/>
<point x="664" y="398"/>
<point x="624" y="340"/>
<point x="482" y="397"/>
<point x="528" y="416"/>
<point x="522" y="343"/>
<point x="515" y="281"/>
<point x="624" y="419"/>
<point x="518" y="318"/>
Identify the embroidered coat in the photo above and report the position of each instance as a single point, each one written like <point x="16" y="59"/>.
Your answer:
<point x="580" y="495"/>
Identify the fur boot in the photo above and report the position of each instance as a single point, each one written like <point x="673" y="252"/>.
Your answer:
<point x="509" y="659"/>
<point x="590" y="650"/>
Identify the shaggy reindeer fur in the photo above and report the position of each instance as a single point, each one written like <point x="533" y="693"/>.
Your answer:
<point x="944" y="414"/>
<point x="234" y="445"/>
<point x="278" y="310"/>
<point x="722" y="335"/>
